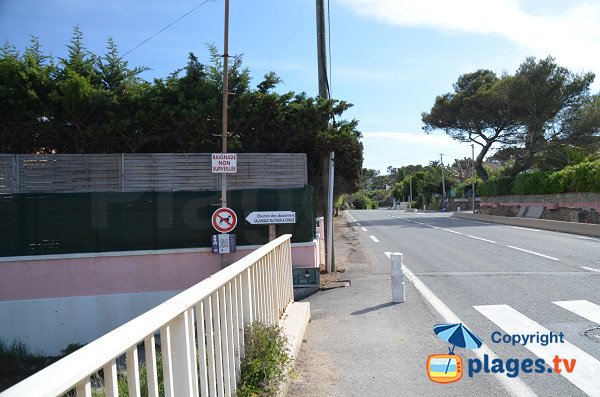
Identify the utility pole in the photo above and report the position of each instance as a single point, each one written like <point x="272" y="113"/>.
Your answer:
<point x="224" y="257"/>
<point x="322" y="50"/>
<point x="410" y="180"/>
<point x="326" y="166"/>
<point x="329" y="243"/>
<point x="443" y="182"/>
<point x="473" y="175"/>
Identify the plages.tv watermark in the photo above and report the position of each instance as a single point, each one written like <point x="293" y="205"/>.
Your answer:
<point x="447" y="368"/>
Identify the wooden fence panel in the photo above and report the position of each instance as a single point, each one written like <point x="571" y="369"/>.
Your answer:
<point x="69" y="173"/>
<point x="72" y="173"/>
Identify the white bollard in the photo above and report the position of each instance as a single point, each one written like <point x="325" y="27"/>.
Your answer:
<point x="458" y="209"/>
<point x="398" y="294"/>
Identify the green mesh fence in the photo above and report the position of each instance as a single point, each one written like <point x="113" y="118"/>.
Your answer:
<point x="58" y="223"/>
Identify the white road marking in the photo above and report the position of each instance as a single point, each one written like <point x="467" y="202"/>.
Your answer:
<point x="587" y="238"/>
<point x="357" y="223"/>
<point x="514" y="386"/>
<point x="364" y="229"/>
<point x="526" y="228"/>
<point x="480" y="238"/>
<point x="532" y="252"/>
<point x="582" y="308"/>
<point x="374" y="239"/>
<point x="451" y="231"/>
<point x="456" y="219"/>
<point x="585" y="375"/>
<point x="590" y="269"/>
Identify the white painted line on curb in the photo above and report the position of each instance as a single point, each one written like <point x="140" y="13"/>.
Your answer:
<point x="532" y="252"/>
<point x="374" y="239"/>
<point x="364" y="229"/>
<point x="480" y="238"/>
<point x="515" y="323"/>
<point x="583" y="308"/>
<point x="514" y="386"/>
<point x="590" y="269"/>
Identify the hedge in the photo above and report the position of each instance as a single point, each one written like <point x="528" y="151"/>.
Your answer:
<point x="579" y="178"/>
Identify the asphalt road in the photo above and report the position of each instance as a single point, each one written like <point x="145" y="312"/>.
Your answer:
<point x="503" y="280"/>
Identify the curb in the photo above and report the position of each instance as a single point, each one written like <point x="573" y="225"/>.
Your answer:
<point x="585" y="229"/>
<point x="294" y="327"/>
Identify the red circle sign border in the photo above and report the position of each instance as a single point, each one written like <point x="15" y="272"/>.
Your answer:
<point x="230" y="227"/>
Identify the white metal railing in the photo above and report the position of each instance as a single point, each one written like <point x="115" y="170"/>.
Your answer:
<point x="201" y="335"/>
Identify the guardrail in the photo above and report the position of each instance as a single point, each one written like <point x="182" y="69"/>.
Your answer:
<point x="201" y="333"/>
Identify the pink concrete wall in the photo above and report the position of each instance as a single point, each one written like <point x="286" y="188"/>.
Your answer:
<point x="104" y="275"/>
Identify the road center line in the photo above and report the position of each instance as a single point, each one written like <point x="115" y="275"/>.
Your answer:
<point x="451" y="231"/>
<point x="587" y="238"/>
<point x="480" y="238"/>
<point x="591" y="269"/>
<point x="374" y="239"/>
<point x="364" y="229"/>
<point x="532" y="252"/>
<point x="514" y="386"/>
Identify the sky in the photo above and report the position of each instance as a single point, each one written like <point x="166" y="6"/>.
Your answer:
<point x="389" y="58"/>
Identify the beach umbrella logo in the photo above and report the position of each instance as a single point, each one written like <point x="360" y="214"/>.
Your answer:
<point x="447" y="368"/>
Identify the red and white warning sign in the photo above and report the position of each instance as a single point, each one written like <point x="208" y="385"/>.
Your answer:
<point x="224" y="220"/>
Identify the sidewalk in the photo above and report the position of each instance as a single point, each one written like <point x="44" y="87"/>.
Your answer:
<point x="359" y="343"/>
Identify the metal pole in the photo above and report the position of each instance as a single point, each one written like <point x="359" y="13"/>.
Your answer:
<point x="473" y="175"/>
<point x="411" y="197"/>
<point x="322" y="50"/>
<point x="330" y="258"/>
<point x="443" y="182"/>
<point x="225" y="108"/>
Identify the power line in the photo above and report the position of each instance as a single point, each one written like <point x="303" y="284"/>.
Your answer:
<point x="168" y="26"/>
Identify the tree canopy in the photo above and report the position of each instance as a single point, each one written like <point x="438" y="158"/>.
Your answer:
<point x="88" y="103"/>
<point x="540" y="110"/>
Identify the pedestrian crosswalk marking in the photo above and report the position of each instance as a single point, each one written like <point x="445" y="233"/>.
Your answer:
<point x="585" y="376"/>
<point x="515" y="386"/>
<point x="582" y="308"/>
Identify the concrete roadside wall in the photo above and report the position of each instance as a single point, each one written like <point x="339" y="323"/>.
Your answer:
<point x="50" y="301"/>
<point x="585" y="229"/>
<point x="552" y="201"/>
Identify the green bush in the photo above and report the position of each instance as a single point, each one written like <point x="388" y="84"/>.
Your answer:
<point x="536" y="182"/>
<point x="362" y="202"/>
<point x="500" y="186"/>
<point x="582" y="177"/>
<point x="266" y="361"/>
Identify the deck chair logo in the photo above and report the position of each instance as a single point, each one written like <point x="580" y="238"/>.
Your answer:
<point x="448" y="368"/>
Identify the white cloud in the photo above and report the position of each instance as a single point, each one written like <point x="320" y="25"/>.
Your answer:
<point x="569" y="31"/>
<point x="413" y="138"/>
